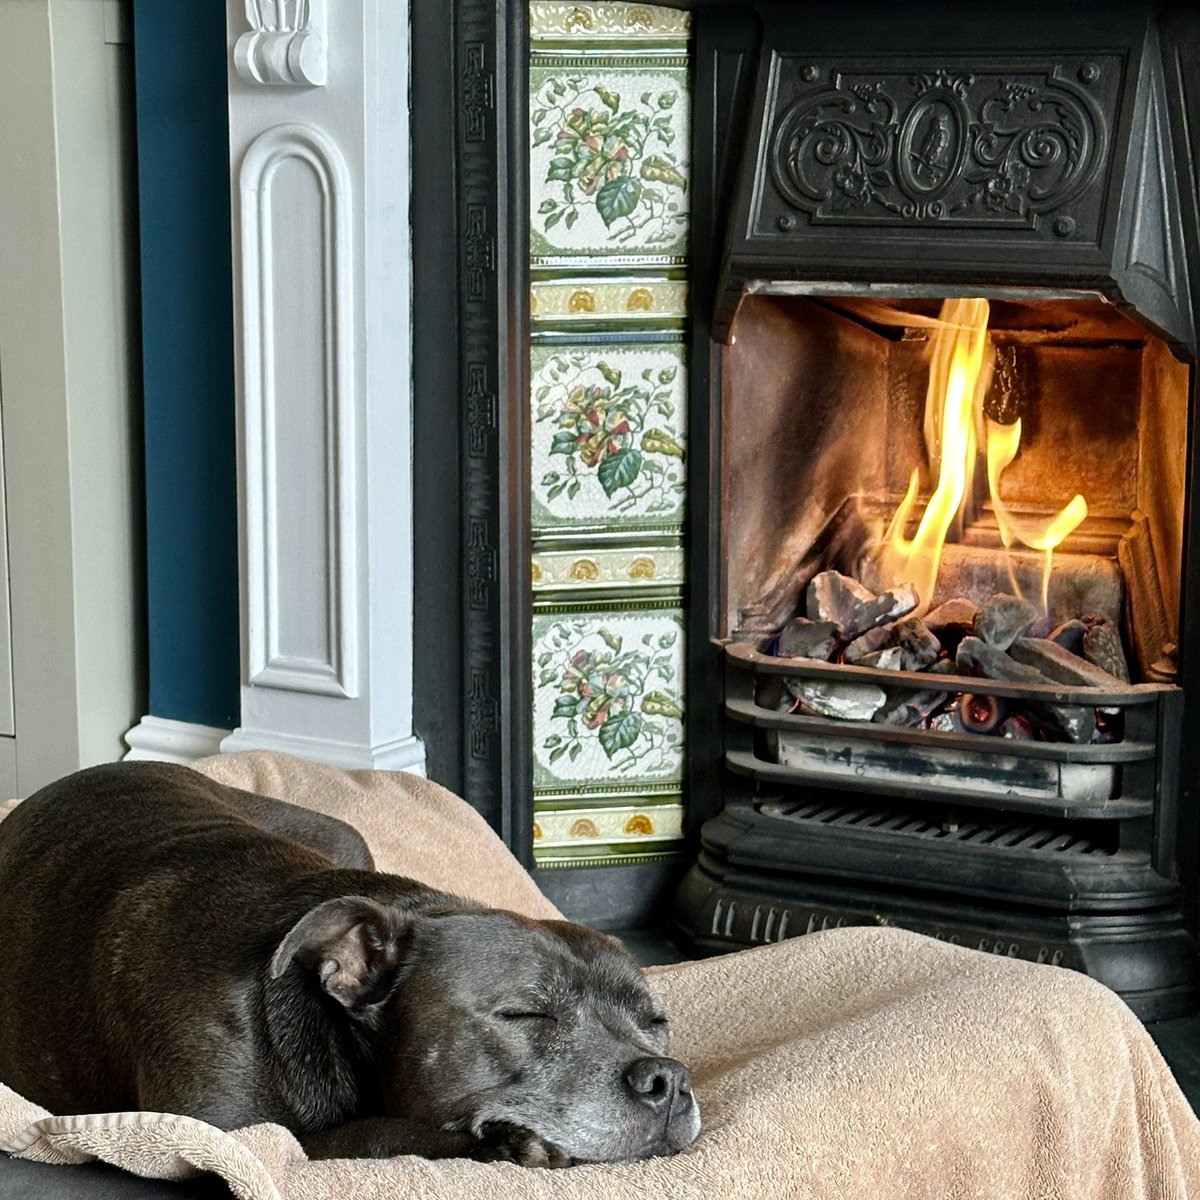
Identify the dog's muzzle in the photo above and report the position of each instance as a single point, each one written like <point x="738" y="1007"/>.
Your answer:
<point x="664" y="1086"/>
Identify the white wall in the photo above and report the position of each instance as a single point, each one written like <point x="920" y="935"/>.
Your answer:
<point x="68" y="392"/>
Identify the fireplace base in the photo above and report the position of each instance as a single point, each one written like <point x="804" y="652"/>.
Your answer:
<point x="1056" y="852"/>
<point x="729" y="902"/>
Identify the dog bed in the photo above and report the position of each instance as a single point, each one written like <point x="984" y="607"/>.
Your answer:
<point x="863" y="1062"/>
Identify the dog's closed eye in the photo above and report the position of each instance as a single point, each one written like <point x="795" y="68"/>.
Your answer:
<point x="526" y="1015"/>
<point x="654" y="1023"/>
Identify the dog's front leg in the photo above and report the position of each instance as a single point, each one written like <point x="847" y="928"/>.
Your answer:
<point x="386" y="1137"/>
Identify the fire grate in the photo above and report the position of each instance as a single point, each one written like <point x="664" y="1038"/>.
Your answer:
<point x="1053" y="852"/>
<point x="1052" y="838"/>
<point x="1071" y="826"/>
<point x="1104" y="781"/>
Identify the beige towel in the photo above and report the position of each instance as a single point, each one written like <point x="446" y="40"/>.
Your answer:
<point x="857" y="1063"/>
<point x="413" y="827"/>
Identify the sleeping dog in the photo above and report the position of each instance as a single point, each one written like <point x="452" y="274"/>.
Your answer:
<point x="174" y="945"/>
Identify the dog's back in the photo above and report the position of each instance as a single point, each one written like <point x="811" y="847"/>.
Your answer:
<point x="112" y="860"/>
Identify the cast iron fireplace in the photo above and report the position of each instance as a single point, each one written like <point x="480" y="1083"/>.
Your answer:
<point x="892" y="161"/>
<point x="855" y="166"/>
<point x="1033" y="819"/>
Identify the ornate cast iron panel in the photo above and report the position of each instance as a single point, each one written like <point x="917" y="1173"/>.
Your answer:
<point x="470" y="294"/>
<point x="997" y="145"/>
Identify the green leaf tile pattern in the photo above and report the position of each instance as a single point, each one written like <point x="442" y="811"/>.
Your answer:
<point x="608" y="703"/>
<point x="609" y="205"/>
<point x="608" y="436"/>
<point x="609" y="159"/>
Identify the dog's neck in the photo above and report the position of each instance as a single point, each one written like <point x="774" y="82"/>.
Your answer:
<point x="318" y="1054"/>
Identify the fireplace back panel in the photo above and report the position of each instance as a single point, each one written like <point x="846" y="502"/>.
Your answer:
<point x="820" y="413"/>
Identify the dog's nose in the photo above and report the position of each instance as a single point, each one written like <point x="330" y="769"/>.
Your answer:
<point x="659" y="1082"/>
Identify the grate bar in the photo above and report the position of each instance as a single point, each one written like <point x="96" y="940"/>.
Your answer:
<point x="1015" y="836"/>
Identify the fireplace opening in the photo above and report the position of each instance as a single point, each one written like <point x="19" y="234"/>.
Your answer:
<point x="1067" y="474"/>
<point x="950" y="582"/>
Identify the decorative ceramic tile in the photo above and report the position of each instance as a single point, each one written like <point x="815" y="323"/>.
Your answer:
<point x="609" y="159"/>
<point x="599" y="854"/>
<point x="602" y="23"/>
<point x="610" y="568"/>
<point x="607" y="436"/>
<point x="609" y="208"/>
<point x="607" y="698"/>
<point x="626" y="824"/>
<point x="630" y="301"/>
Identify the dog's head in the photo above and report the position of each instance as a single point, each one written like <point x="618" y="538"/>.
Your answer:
<point x="479" y="1017"/>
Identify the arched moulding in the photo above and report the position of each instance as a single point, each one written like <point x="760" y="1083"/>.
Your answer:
<point x="285" y="44"/>
<point x="299" y="441"/>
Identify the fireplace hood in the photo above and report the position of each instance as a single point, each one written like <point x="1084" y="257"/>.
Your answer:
<point x="982" y="148"/>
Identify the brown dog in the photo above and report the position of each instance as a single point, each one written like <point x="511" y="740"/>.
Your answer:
<point x="175" y="945"/>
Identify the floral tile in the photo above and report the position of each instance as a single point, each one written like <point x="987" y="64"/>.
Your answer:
<point x="607" y="698"/>
<point x="611" y="568"/>
<point x="610" y="114"/>
<point x="608" y="436"/>
<point x="599" y="23"/>
<point x="609" y="159"/>
<point x="612" y="825"/>
<point x="637" y="301"/>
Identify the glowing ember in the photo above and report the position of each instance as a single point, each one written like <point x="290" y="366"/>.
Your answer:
<point x="953" y="415"/>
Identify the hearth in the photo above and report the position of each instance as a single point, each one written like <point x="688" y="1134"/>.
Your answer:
<point x="953" y="377"/>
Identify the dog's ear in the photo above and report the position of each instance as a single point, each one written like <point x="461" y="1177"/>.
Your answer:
<point x="355" y="944"/>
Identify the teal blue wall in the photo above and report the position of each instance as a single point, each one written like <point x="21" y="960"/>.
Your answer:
<point x="187" y="350"/>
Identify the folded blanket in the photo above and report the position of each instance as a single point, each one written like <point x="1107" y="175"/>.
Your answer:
<point x="866" y="1063"/>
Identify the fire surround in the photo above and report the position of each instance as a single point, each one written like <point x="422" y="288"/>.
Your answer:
<point x="471" y="476"/>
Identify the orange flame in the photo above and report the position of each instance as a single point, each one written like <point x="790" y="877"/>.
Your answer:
<point x="1003" y="442"/>
<point x="953" y="414"/>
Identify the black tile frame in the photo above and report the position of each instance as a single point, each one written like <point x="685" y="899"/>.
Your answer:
<point x="471" y="334"/>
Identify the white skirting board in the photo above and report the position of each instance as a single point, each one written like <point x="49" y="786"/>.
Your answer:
<point x="403" y="754"/>
<point x="162" y="740"/>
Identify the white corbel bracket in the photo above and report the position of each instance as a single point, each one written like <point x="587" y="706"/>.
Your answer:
<point x="285" y="44"/>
